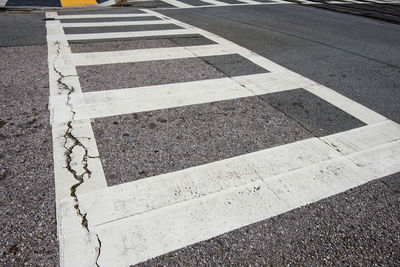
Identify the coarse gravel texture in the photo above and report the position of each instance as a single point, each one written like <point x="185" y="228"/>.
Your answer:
<point x="27" y="196"/>
<point x="127" y="75"/>
<point x="359" y="227"/>
<point x="140" y="145"/>
<point x="130" y="28"/>
<point x="195" y="2"/>
<point x="138" y="44"/>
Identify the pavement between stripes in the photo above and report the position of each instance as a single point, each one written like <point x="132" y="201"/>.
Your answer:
<point x="196" y="203"/>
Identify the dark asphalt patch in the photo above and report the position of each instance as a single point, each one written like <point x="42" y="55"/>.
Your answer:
<point x="359" y="227"/>
<point x="190" y="41"/>
<point x="109" y="19"/>
<point x="43" y="3"/>
<point x="195" y="2"/>
<point x="146" y="4"/>
<point x="393" y="181"/>
<point x="234" y="65"/>
<point x="131" y="28"/>
<point x="139" y="44"/>
<point x="231" y="2"/>
<point x="140" y="145"/>
<point x="22" y="29"/>
<point x="27" y="196"/>
<point x="314" y="113"/>
<point x="128" y="75"/>
<point x="120" y="45"/>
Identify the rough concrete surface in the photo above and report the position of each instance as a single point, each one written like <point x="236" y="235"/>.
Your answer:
<point x="127" y="75"/>
<point x="138" y="44"/>
<point x="27" y="196"/>
<point x="144" y="144"/>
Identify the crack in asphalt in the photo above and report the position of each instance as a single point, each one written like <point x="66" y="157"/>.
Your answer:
<point x="69" y="150"/>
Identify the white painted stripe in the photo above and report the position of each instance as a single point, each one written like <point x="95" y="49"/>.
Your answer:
<point x="364" y="138"/>
<point x="112" y="35"/>
<point x="250" y="2"/>
<point x="159" y="191"/>
<point x="177" y="3"/>
<point x="241" y="4"/>
<point x="131" y="100"/>
<point x="137" y="55"/>
<point x="92" y="16"/>
<point x="215" y="2"/>
<point x="62" y="77"/>
<point x="161" y="230"/>
<point x="113" y="23"/>
<point x="168" y="189"/>
<point x="59" y="62"/>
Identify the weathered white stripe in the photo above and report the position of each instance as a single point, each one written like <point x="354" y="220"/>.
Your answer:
<point x="113" y="57"/>
<point x="250" y="2"/>
<point x="178" y="209"/>
<point x="92" y="16"/>
<point x="59" y="55"/>
<point x="139" y="99"/>
<point x="112" y="35"/>
<point x="62" y="78"/>
<point x="364" y="138"/>
<point x="241" y="4"/>
<point x="113" y="23"/>
<point x="177" y="3"/>
<point x="215" y="2"/>
<point x="132" y="198"/>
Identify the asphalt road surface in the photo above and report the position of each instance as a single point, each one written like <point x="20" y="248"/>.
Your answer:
<point x="248" y="134"/>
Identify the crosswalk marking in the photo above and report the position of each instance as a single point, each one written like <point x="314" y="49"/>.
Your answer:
<point x="93" y="16"/>
<point x="115" y="35"/>
<point x="138" y="55"/>
<point x="215" y="2"/>
<point x="132" y="222"/>
<point x="112" y="23"/>
<point x="159" y="191"/>
<point x="130" y="100"/>
<point x="161" y="230"/>
<point x="177" y="3"/>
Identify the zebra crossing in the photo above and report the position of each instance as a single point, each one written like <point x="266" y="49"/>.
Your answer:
<point x="129" y="223"/>
<point x="218" y="3"/>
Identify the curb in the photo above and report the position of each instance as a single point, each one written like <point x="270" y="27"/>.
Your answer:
<point x="36" y="8"/>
